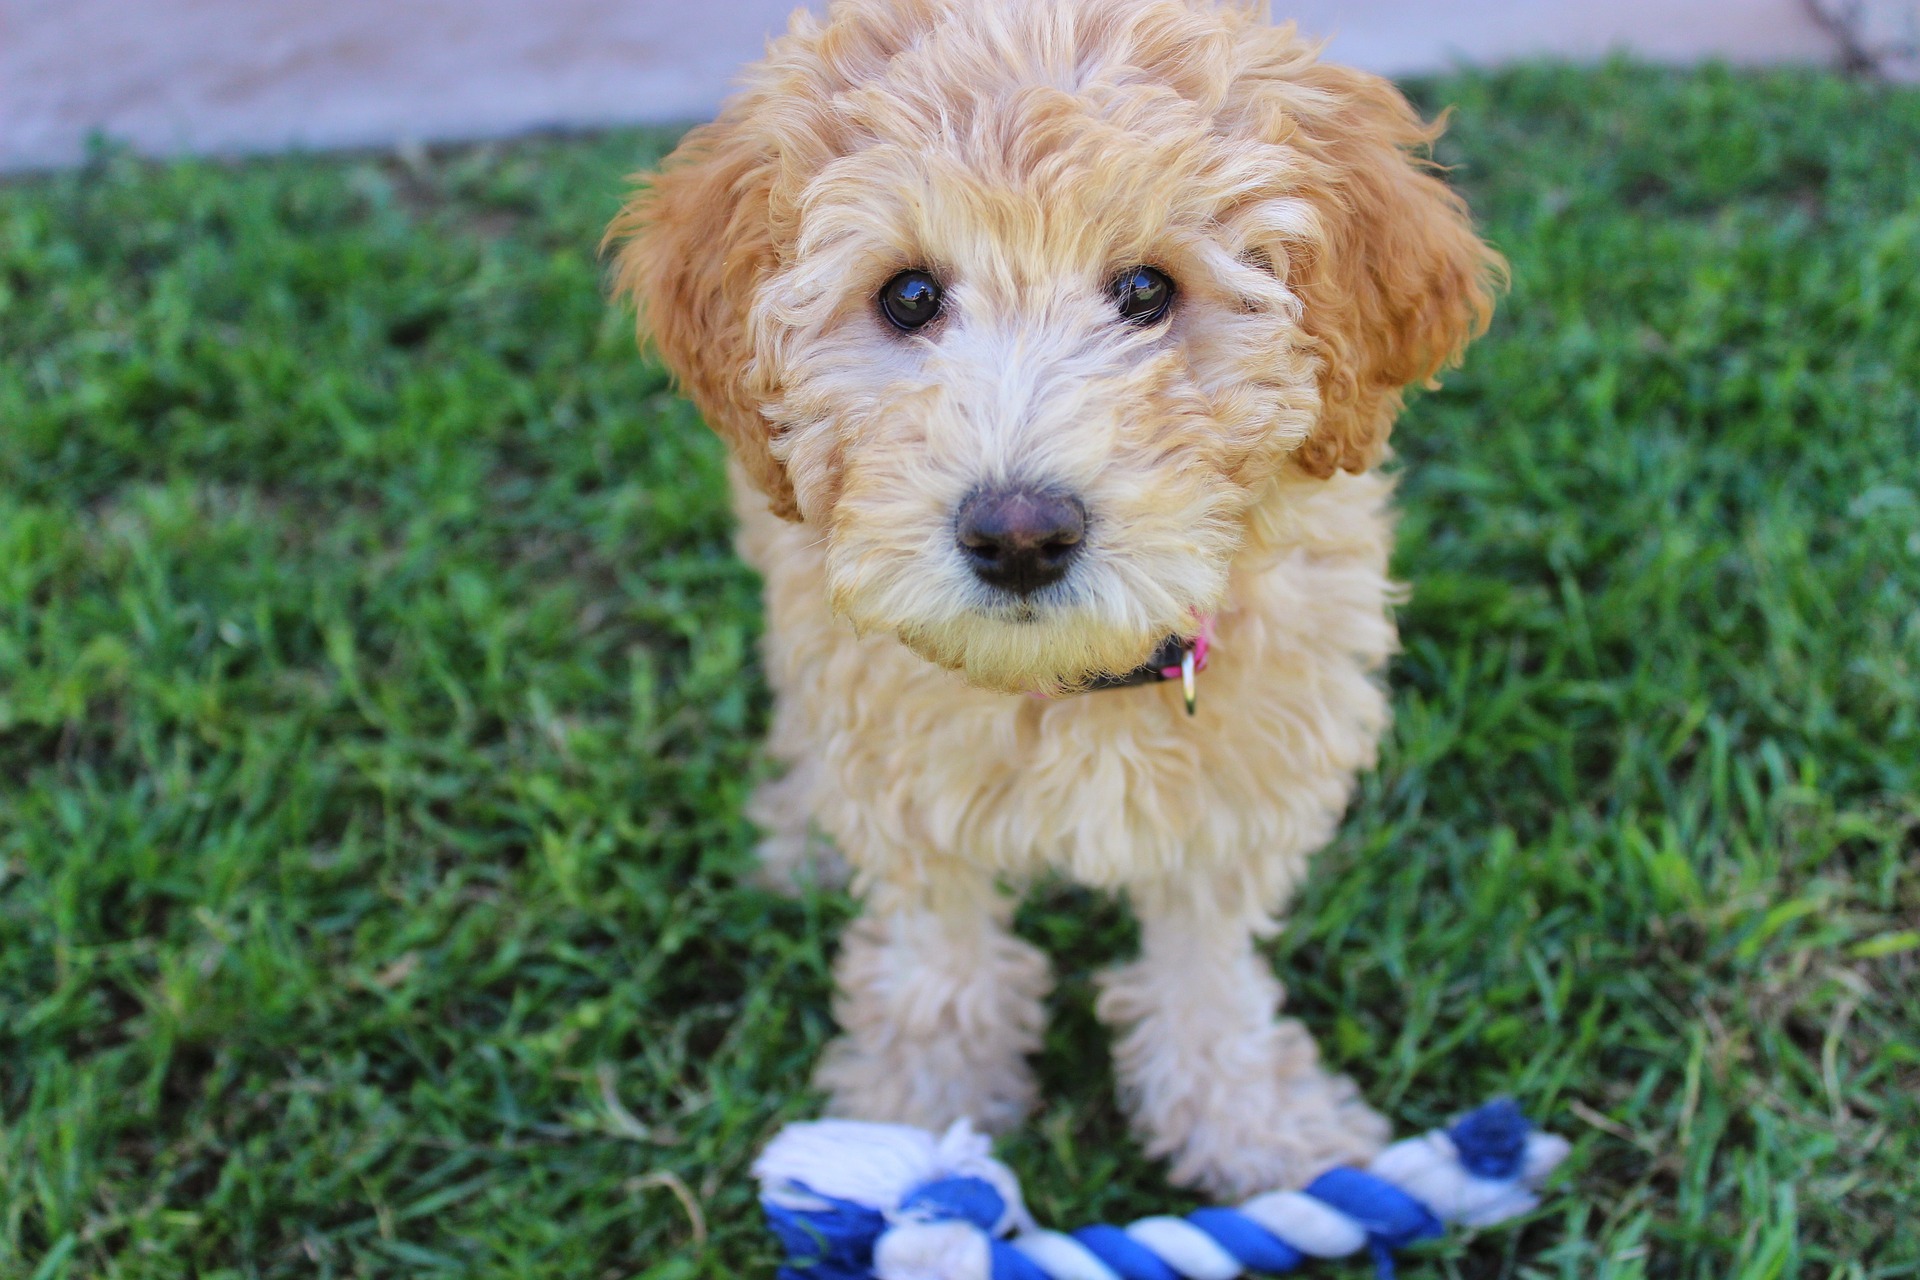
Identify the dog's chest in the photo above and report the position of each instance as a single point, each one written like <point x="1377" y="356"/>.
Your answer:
<point x="910" y="763"/>
<point x="1106" y="787"/>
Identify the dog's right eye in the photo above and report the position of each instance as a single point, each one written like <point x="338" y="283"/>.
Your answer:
<point x="910" y="300"/>
<point x="1143" y="295"/>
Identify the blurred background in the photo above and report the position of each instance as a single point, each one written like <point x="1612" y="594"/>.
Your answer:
<point x="251" y="75"/>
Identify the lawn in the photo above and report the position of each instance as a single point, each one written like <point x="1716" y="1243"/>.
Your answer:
<point x="377" y="700"/>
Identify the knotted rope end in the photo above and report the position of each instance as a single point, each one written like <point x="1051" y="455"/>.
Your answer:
<point x="855" y="1201"/>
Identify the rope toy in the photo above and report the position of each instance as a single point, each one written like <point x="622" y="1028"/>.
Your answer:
<point x="856" y="1201"/>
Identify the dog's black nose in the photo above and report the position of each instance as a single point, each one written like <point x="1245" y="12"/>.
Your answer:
<point x="1020" y="540"/>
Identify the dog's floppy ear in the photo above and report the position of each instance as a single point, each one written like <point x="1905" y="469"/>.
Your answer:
<point x="1399" y="283"/>
<point x="695" y="241"/>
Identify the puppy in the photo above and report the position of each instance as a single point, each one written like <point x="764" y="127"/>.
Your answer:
<point x="1049" y="336"/>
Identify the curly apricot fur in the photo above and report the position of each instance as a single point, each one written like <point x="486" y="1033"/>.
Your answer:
<point x="1026" y="151"/>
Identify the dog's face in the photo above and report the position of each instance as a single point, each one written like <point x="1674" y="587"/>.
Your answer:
<point x="1029" y="377"/>
<point x="1025" y="305"/>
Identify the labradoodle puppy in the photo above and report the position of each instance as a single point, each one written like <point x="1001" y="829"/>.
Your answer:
<point x="1056" y="343"/>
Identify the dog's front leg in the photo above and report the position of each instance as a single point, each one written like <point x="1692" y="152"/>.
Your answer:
<point x="1234" y="1096"/>
<point x="939" y="1004"/>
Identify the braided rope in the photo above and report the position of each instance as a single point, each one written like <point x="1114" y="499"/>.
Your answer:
<point x="855" y="1201"/>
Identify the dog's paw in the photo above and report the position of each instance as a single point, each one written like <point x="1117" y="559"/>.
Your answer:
<point x="932" y="1086"/>
<point x="1241" y="1109"/>
<point x="1277" y="1135"/>
<point x="937" y="1018"/>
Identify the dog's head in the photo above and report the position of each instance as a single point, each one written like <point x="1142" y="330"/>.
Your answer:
<point x="1025" y="305"/>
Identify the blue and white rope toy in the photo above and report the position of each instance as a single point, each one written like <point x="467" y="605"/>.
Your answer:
<point x="856" y="1201"/>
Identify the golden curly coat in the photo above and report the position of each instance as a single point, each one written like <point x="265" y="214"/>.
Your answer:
<point x="1024" y="153"/>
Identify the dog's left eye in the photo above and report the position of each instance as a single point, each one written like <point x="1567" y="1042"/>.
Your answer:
<point x="1143" y="295"/>
<point x="910" y="300"/>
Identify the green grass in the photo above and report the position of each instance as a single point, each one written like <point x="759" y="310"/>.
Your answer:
<point x="377" y="700"/>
